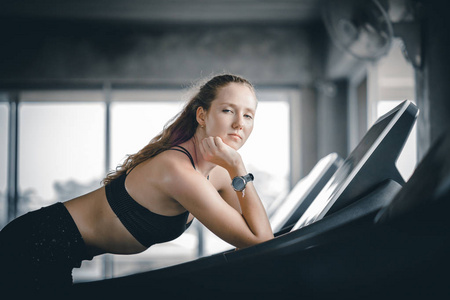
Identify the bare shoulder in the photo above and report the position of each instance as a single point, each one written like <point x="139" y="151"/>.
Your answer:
<point x="172" y="172"/>
<point x="173" y="164"/>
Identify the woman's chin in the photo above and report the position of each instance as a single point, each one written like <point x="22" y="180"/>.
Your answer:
<point x="233" y="144"/>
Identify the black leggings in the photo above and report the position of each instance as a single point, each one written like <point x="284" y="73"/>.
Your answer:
<point x="39" y="250"/>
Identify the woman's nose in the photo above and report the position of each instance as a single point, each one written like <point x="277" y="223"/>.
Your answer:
<point x="238" y="123"/>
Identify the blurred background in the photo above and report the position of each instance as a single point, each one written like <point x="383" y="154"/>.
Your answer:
<point x="84" y="83"/>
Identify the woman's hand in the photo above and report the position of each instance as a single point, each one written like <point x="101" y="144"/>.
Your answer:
<point x="214" y="150"/>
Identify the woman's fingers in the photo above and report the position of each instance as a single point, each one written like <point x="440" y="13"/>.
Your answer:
<point x="210" y="144"/>
<point x="219" y="143"/>
<point x="213" y="149"/>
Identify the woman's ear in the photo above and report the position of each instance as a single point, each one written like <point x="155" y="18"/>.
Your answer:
<point x="201" y="116"/>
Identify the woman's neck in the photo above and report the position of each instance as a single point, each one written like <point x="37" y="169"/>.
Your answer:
<point x="193" y="146"/>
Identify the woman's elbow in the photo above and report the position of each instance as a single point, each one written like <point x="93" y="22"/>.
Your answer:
<point x="255" y="240"/>
<point x="266" y="237"/>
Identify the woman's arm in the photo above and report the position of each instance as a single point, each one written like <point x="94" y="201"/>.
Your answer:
<point x="203" y="201"/>
<point x="215" y="150"/>
<point x="221" y="180"/>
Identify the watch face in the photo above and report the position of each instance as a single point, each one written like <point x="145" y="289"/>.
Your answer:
<point x="238" y="183"/>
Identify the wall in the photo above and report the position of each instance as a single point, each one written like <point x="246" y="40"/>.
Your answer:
<point x="433" y="78"/>
<point x="93" y="52"/>
<point x="332" y="119"/>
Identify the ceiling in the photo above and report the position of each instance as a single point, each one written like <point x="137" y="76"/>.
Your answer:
<point x="166" y="11"/>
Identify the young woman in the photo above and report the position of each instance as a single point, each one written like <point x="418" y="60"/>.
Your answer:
<point x="191" y="170"/>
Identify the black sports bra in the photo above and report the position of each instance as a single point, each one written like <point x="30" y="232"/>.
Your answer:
<point x="147" y="227"/>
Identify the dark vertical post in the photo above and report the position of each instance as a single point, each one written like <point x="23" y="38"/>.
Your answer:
<point x="308" y="129"/>
<point x="108" y="261"/>
<point x="107" y="93"/>
<point x="12" y="184"/>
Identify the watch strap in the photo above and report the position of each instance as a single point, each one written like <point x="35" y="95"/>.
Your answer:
<point x="249" y="177"/>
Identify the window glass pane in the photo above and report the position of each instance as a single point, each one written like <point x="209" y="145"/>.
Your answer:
<point x="4" y="119"/>
<point x="61" y="151"/>
<point x="134" y="124"/>
<point x="61" y="156"/>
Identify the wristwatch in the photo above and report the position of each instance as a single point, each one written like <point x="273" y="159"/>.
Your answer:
<point x="239" y="182"/>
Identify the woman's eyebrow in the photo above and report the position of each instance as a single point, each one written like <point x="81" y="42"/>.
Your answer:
<point x="234" y="105"/>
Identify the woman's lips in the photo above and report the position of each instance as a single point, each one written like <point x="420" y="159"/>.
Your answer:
<point x="235" y="135"/>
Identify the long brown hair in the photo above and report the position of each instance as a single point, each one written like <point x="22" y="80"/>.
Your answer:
<point x="181" y="128"/>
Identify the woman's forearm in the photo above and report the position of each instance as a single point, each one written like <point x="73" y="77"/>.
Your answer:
<point x="252" y="208"/>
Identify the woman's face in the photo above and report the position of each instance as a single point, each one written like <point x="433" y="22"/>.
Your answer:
<point x="231" y="114"/>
